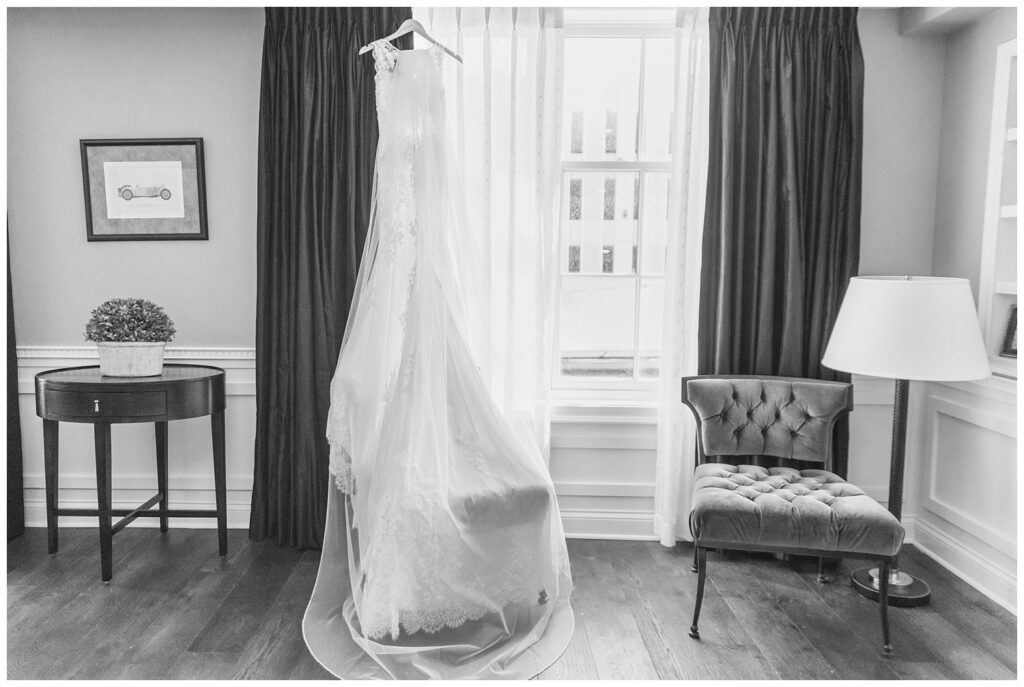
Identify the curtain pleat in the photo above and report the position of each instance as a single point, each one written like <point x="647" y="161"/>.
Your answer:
<point x="317" y="141"/>
<point x="782" y="222"/>
<point x="504" y="110"/>
<point x="677" y="431"/>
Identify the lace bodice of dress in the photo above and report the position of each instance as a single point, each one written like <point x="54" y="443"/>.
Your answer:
<point x="385" y="59"/>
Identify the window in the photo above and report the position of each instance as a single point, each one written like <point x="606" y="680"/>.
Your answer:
<point x="614" y="210"/>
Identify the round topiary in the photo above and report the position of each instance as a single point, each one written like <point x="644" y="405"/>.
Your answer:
<point x="129" y="319"/>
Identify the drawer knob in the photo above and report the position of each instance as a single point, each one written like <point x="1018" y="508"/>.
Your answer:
<point x="96" y="405"/>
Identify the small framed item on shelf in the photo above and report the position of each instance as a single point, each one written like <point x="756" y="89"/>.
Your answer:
<point x="139" y="189"/>
<point x="1009" y="349"/>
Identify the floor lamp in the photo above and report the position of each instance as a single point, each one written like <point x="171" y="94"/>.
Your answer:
<point x="906" y="328"/>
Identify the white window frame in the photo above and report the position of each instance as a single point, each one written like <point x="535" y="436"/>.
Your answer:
<point x="611" y="23"/>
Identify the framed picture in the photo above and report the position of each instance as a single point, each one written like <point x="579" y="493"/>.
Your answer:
<point x="1009" y="349"/>
<point x="141" y="189"/>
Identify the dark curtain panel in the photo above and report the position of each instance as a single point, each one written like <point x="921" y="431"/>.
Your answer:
<point x="317" y="140"/>
<point x="782" y="222"/>
<point x="15" y="492"/>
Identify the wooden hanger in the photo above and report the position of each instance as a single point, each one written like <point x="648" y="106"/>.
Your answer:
<point x="407" y="26"/>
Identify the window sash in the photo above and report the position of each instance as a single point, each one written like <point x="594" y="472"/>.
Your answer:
<point x="611" y="26"/>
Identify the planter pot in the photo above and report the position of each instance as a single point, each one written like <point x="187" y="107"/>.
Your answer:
<point x="131" y="359"/>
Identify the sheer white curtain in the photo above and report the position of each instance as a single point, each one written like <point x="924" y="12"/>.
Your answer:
<point x="676" y="428"/>
<point x="504" y="106"/>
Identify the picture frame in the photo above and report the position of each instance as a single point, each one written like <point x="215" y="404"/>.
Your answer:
<point x="1009" y="347"/>
<point x="144" y="189"/>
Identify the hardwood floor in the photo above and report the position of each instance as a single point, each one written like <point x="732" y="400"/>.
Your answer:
<point x="176" y="610"/>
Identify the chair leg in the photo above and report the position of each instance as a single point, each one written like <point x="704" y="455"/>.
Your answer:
<point x="693" y="568"/>
<point x="822" y="578"/>
<point x="702" y="566"/>
<point x="883" y="607"/>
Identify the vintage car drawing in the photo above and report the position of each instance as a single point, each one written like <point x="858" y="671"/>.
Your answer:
<point x="129" y="191"/>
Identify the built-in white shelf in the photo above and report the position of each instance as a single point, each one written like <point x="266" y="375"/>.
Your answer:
<point x="1011" y="134"/>
<point x="1006" y="288"/>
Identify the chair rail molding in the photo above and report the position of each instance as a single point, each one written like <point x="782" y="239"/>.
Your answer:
<point x="173" y="352"/>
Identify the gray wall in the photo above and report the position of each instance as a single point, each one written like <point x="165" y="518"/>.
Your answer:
<point x="902" y="122"/>
<point x="131" y="73"/>
<point x="966" y="127"/>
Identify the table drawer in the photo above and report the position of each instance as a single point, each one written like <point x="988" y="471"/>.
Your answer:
<point x="102" y="404"/>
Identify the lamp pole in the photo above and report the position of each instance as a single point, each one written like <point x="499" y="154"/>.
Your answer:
<point x="904" y="590"/>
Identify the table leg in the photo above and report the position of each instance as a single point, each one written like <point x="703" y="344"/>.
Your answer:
<point x="101" y="431"/>
<point x="161" y="469"/>
<point x="220" y="480"/>
<point x="51" y="434"/>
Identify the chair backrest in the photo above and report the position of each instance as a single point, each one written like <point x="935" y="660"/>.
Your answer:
<point x="786" y="417"/>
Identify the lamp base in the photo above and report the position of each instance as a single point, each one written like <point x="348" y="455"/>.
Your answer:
<point x="904" y="591"/>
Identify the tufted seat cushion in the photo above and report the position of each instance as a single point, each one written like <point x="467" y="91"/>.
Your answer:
<point x="787" y="508"/>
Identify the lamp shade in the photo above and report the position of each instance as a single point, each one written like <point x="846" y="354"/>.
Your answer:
<point x="923" y="328"/>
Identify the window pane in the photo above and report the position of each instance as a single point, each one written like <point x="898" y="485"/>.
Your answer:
<point x="602" y="98"/>
<point x="596" y="320"/>
<point x="659" y="93"/>
<point x="611" y="131"/>
<point x="575" y="198"/>
<point x="600" y="222"/>
<point x="656" y="207"/>
<point x="652" y="298"/>
<point x="609" y="197"/>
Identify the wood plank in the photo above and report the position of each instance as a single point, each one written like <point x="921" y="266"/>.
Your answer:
<point x="49" y="649"/>
<point x="789" y="653"/>
<point x="577" y="663"/>
<point x="307" y="668"/>
<point x="783" y="645"/>
<point x="726" y="650"/>
<point x="616" y="645"/>
<point x="959" y="654"/>
<point x="622" y="658"/>
<point x="850" y="646"/>
<point x="203" y="666"/>
<point x="277" y="645"/>
<point x="242" y="611"/>
<point x="182" y="615"/>
<point x="110" y="633"/>
<point x="992" y="627"/>
<point x="913" y="659"/>
<point x="763" y="618"/>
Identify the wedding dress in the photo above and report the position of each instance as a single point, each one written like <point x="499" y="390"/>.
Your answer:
<point x="443" y="554"/>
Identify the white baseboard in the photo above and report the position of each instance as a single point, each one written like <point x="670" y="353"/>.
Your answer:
<point x="970" y="565"/>
<point x="580" y="524"/>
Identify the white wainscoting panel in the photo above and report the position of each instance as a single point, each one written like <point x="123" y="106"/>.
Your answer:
<point x="603" y="464"/>
<point x="967" y="516"/>
<point x="190" y="457"/>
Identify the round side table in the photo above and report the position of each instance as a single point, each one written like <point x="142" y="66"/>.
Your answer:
<point x="82" y="394"/>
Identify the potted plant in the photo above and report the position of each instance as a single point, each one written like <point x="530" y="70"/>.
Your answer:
<point x="130" y="335"/>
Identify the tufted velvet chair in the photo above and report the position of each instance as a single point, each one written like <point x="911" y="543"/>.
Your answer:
<point x="784" y="509"/>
